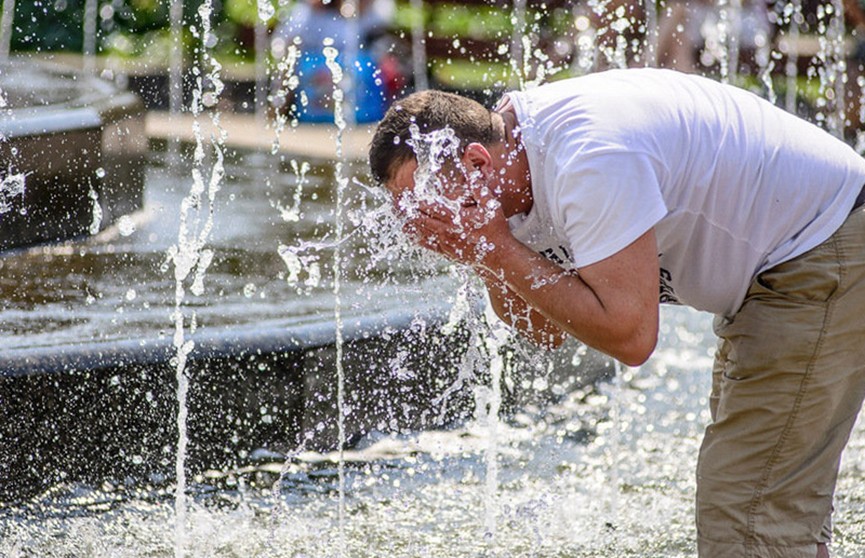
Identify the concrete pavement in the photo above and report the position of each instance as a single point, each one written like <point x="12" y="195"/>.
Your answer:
<point x="310" y="141"/>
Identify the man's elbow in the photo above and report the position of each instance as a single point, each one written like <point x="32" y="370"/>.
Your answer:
<point x="635" y="357"/>
<point x="637" y="348"/>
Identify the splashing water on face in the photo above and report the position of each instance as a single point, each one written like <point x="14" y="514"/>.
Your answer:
<point x="437" y="152"/>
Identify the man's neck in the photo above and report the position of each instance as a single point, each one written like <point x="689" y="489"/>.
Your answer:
<point x="514" y="177"/>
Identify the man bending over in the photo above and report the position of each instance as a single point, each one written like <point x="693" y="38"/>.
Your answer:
<point x="585" y="202"/>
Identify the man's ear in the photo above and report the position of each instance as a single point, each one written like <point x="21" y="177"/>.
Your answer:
<point x="477" y="158"/>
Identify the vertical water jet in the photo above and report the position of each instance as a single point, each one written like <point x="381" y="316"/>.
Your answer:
<point x="418" y="49"/>
<point x="90" y="27"/>
<point x="6" y="21"/>
<point x="266" y="12"/>
<point x="339" y="107"/>
<point x="175" y="74"/>
<point x="189" y="255"/>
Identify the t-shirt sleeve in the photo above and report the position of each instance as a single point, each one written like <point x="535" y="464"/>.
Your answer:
<point x="606" y="202"/>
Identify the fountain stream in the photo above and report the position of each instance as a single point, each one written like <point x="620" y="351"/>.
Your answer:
<point x="266" y="12"/>
<point x="650" y="43"/>
<point x="489" y="403"/>
<point x="419" y="59"/>
<point x="190" y="254"/>
<point x="175" y="74"/>
<point x="6" y="20"/>
<point x="339" y="76"/>
<point x="91" y="15"/>
<point x="520" y="55"/>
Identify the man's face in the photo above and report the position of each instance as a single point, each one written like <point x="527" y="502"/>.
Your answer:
<point x="448" y="188"/>
<point x="401" y="183"/>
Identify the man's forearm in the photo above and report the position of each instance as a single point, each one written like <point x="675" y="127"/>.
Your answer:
<point x="608" y="315"/>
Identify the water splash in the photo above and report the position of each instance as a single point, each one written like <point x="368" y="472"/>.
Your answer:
<point x="299" y="260"/>
<point x="11" y="186"/>
<point x="287" y="56"/>
<point x="96" y="220"/>
<point x="293" y="213"/>
<point x="266" y="10"/>
<point x="432" y="150"/>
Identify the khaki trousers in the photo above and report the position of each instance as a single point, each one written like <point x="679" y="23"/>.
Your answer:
<point x="788" y="383"/>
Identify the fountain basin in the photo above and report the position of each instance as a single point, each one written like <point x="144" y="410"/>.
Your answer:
<point x="80" y="142"/>
<point x="87" y="378"/>
<point x="89" y="413"/>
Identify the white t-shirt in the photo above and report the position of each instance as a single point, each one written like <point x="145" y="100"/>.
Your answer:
<point x="731" y="184"/>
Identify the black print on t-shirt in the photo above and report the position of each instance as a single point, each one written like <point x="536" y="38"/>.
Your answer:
<point x="667" y="295"/>
<point x="560" y="256"/>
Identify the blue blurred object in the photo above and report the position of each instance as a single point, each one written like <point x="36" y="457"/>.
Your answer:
<point x="316" y="85"/>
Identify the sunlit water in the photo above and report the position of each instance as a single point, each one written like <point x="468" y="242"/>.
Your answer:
<point x="572" y="482"/>
<point x="607" y="471"/>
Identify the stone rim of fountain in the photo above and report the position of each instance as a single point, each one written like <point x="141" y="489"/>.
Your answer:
<point x="274" y="337"/>
<point x="52" y="98"/>
<point x="79" y="143"/>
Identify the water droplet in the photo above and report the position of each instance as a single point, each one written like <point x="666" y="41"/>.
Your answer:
<point x="209" y="99"/>
<point x="126" y="225"/>
<point x="266" y="11"/>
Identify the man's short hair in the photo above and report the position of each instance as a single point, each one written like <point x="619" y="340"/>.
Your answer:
<point x="430" y="111"/>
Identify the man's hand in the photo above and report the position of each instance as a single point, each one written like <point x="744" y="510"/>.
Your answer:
<point x="467" y="235"/>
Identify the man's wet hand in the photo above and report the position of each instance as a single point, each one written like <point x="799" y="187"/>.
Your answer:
<point x="468" y="232"/>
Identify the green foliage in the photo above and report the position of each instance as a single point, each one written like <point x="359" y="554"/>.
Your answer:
<point x="48" y="25"/>
<point x="126" y="27"/>
<point x="473" y="76"/>
<point x="243" y="12"/>
<point x="450" y="20"/>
